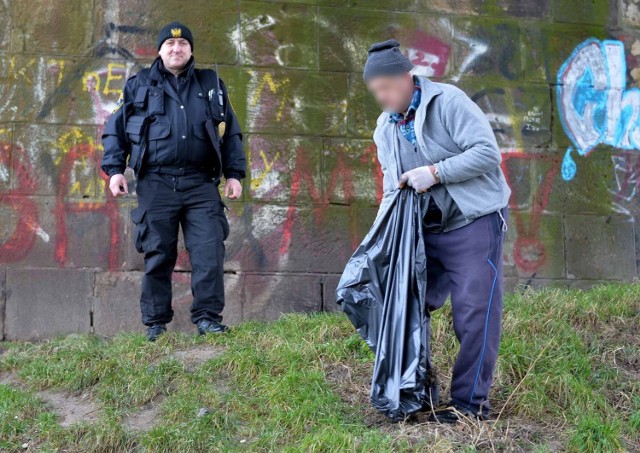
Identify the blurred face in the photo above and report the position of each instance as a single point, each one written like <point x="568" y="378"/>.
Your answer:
<point x="175" y="53"/>
<point x="393" y="93"/>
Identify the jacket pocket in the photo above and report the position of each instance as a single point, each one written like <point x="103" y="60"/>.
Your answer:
<point x="159" y="130"/>
<point x="217" y="214"/>
<point x="140" y="101"/>
<point x="156" y="101"/>
<point x="200" y="131"/>
<point x="160" y="151"/>
<point x="201" y="148"/>
<point x="138" y="217"/>
<point x="135" y="128"/>
<point x="225" y="221"/>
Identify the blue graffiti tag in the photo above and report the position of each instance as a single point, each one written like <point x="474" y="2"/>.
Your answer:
<point x="594" y="103"/>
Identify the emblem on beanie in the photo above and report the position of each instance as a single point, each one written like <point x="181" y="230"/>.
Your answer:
<point x="176" y="32"/>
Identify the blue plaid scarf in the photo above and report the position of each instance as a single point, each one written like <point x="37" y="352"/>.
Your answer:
<point x="406" y="122"/>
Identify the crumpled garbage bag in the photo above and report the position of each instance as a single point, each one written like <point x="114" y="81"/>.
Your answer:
<point x="383" y="292"/>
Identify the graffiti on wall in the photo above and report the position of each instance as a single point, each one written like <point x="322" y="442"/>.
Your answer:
<point x="296" y="177"/>
<point x="626" y="171"/>
<point x="272" y="101"/>
<point x="20" y="226"/>
<point x="429" y="54"/>
<point x="63" y="166"/>
<point x="594" y="103"/>
<point x="529" y="251"/>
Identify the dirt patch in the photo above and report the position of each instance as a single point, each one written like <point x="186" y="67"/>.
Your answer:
<point x="145" y="418"/>
<point x="69" y="409"/>
<point x="7" y="378"/>
<point x="352" y="384"/>
<point x="618" y="345"/>
<point x="194" y="357"/>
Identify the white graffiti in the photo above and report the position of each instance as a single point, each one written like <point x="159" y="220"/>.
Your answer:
<point x="476" y="48"/>
<point x="626" y="166"/>
<point x="594" y="103"/>
<point x="424" y="62"/>
<point x="243" y="34"/>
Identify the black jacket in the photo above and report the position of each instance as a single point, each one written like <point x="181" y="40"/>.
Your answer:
<point x="174" y="125"/>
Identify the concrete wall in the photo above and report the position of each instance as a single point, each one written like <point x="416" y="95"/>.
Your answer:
<point x="557" y="78"/>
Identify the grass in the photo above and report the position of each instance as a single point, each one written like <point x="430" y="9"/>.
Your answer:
<point x="568" y="378"/>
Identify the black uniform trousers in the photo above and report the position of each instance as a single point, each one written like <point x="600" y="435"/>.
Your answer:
<point x="164" y="203"/>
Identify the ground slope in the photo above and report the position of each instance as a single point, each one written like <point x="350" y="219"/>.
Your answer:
<point x="568" y="378"/>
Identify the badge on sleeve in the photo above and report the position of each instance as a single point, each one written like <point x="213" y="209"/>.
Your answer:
<point x="119" y="103"/>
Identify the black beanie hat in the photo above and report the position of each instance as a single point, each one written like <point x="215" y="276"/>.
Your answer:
<point x="175" y="30"/>
<point x="385" y="58"/>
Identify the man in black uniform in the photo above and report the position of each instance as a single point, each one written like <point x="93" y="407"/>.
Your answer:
<point x="176" y="126"/>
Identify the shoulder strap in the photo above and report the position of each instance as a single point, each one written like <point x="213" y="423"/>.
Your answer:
<point x="207" y="76"/>
<point x="143" y="78"/>
<point x="210" y="77"/>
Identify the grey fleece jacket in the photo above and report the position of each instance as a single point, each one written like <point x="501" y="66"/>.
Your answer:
<point x="454" y="134"/>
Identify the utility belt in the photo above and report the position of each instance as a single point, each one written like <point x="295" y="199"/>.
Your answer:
<point x="190" y="169"/>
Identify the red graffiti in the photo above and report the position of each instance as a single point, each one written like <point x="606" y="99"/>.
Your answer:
<point x="370" y="156"/>
<point x="429" y="54"/>
<point x="302" y="176"/>
<point x="19" y="243"/>
<point x="109" y="208"/>
<point x="529" y="252"/>
<point x="146" y="51"/>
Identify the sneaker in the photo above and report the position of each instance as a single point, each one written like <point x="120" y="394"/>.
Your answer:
<point x="206" y="326"/>
<point x="155" y="330"/>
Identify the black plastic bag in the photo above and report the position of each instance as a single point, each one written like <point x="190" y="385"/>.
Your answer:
<point x="383" y="292"/>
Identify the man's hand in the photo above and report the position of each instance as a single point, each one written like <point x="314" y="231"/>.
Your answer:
<point x="232" y="188"/>
<point x="421" y="179"/>
<point x="118" y="185"/>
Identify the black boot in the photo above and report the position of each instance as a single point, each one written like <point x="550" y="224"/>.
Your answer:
<point x="206" y="326"/>
<point x="453" y="413"/>
<point x="155" y="330"/>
